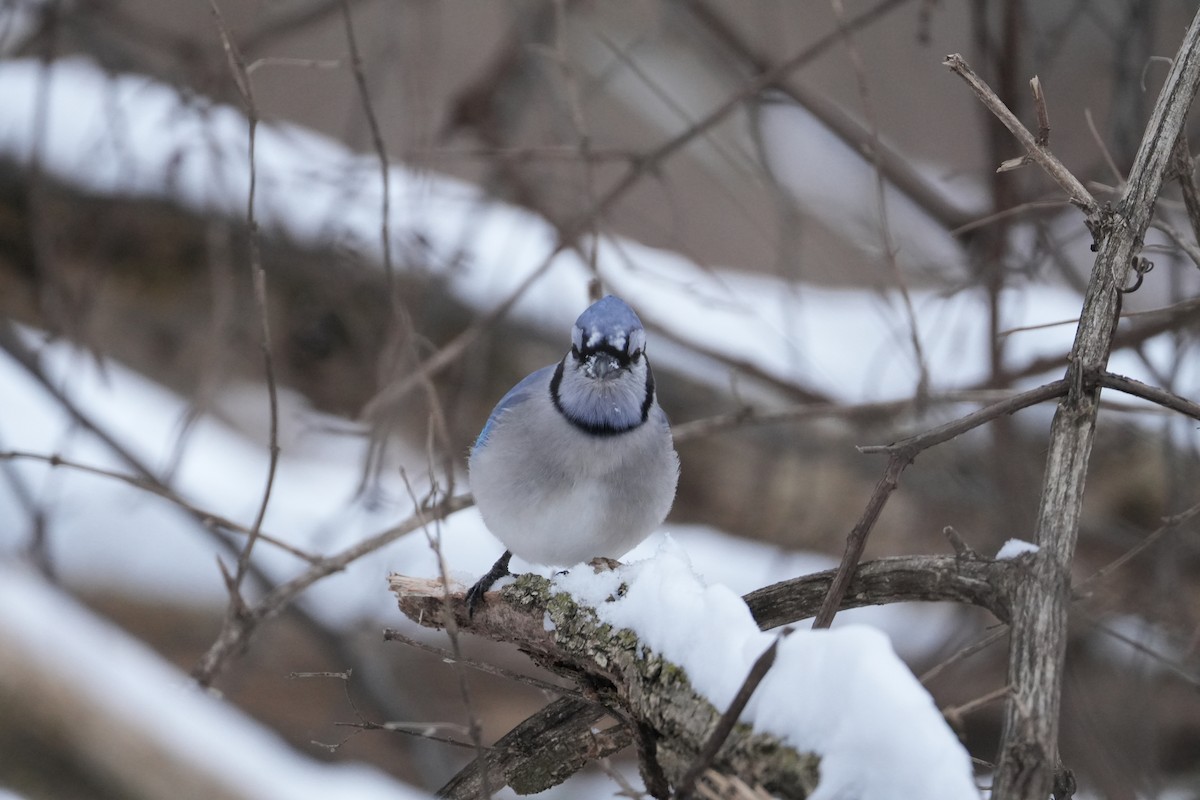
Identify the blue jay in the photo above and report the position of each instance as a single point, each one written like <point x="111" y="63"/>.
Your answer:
<point x="576" y="461"/>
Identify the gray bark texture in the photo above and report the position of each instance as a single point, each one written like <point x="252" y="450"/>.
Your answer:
<point x="1029" y="754"/>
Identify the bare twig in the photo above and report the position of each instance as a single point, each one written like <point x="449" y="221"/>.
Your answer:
<point x="1169" y="524"/>
<point x="159" y="490"/>
<point x="237" y="66"/>
<point x="360" y="81"/>
<point x="885" y="410"/>
<point x="881" y="206"/>
<point x="900" y="455"/>
<point x="234" y="636"/>
<point x="708" y="753"/>
<point x="1075" y="190"/>
<point x="1188" y="247"/>
<point x="393" y="635"/>
<point x="1152" y="393"/>
<point x="1043" y="134"/>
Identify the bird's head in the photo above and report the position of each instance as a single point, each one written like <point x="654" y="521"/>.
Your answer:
<point x="604" y="384"/>
<point x="607" y="339"/>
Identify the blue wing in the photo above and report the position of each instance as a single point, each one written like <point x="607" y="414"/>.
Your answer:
<point x="518" y="394"/>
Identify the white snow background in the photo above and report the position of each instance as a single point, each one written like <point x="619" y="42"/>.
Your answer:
<point x="131" y="135"/>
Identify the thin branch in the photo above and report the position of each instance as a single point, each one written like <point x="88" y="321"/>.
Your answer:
<point x="885" y="410"/>
<point x="887" y="240"/>
<point x="233" y="637"/>
<point x="708" y="753"/>
<point x="1152" y="393"/>
<point x="360" y="81"/>
<point x="1169" y="524"/>
<point x="157" y="489"/>
<point x="900" y="455"/>
<point x="648" y="164"/>
<point x="393" y="635"/>
<point x="1188" y="247"/>
<point x="1075" y="190"/>
<point x="237" y="66"/>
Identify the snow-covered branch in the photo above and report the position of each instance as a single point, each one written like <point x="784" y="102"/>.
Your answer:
<point x="664" y="655"/>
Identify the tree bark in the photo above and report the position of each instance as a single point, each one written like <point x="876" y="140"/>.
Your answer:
<point x="1029" y="754"/>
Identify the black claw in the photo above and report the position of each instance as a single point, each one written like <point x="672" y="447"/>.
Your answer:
<point x="475" y="593"/>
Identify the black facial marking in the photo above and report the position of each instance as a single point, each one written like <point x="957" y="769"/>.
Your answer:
<point x="623" y="358"/>
<point x="600" y="428"/>
<point x="649" y="392"/>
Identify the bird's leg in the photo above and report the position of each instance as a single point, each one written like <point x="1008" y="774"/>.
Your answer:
<point x="476" y="592"/>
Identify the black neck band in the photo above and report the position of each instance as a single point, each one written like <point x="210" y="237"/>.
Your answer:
<point x="600" y="428"/>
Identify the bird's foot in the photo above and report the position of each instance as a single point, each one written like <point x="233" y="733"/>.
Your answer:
<point x="603" y="564"/>
<point x="475" y="594"/>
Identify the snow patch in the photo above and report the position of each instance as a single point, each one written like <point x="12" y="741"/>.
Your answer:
<point x="843" y="694"/>
<point x="1014" y="548"/>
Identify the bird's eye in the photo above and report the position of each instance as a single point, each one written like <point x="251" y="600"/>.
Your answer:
<point x="575" y="352"/>
<point x="635" y="356"/>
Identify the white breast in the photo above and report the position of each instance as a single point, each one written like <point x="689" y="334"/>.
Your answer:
<point x="557" y="496"/>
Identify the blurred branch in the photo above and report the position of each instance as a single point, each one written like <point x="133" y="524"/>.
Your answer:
<point x="1185" y="174"/>
<point x="896" y="168"/>
<point x="241" y="77"/>
<point x="145" y="478"/>
<point x="648" y="164"/>
<point x="234" y="636"/>
<point x="1188" y="247"/>
<point x="1029" y="751"/>
<point x="885" y="410"/>
<point x="545" y="749"/>
<point x="205" y="518"/>
<point x="886" y="238"/>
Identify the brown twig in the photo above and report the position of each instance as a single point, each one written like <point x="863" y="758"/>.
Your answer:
<point x="233" y="637"/>
<point x="364" y="95"/>
<point x="165" y="492"/>
<point x="876" y="411"/>
<point x="1188" y="247"/>
<point x="900" y="455"/>
<point x="237" y="607"/>
<point x="708" y="753"/>
<point x="393" y="635"/>
<point x="1155" y="395"/>
<point x="1075" y="190"/>
<point x="1043" y="134"/>
<point x="887" y="241"/>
